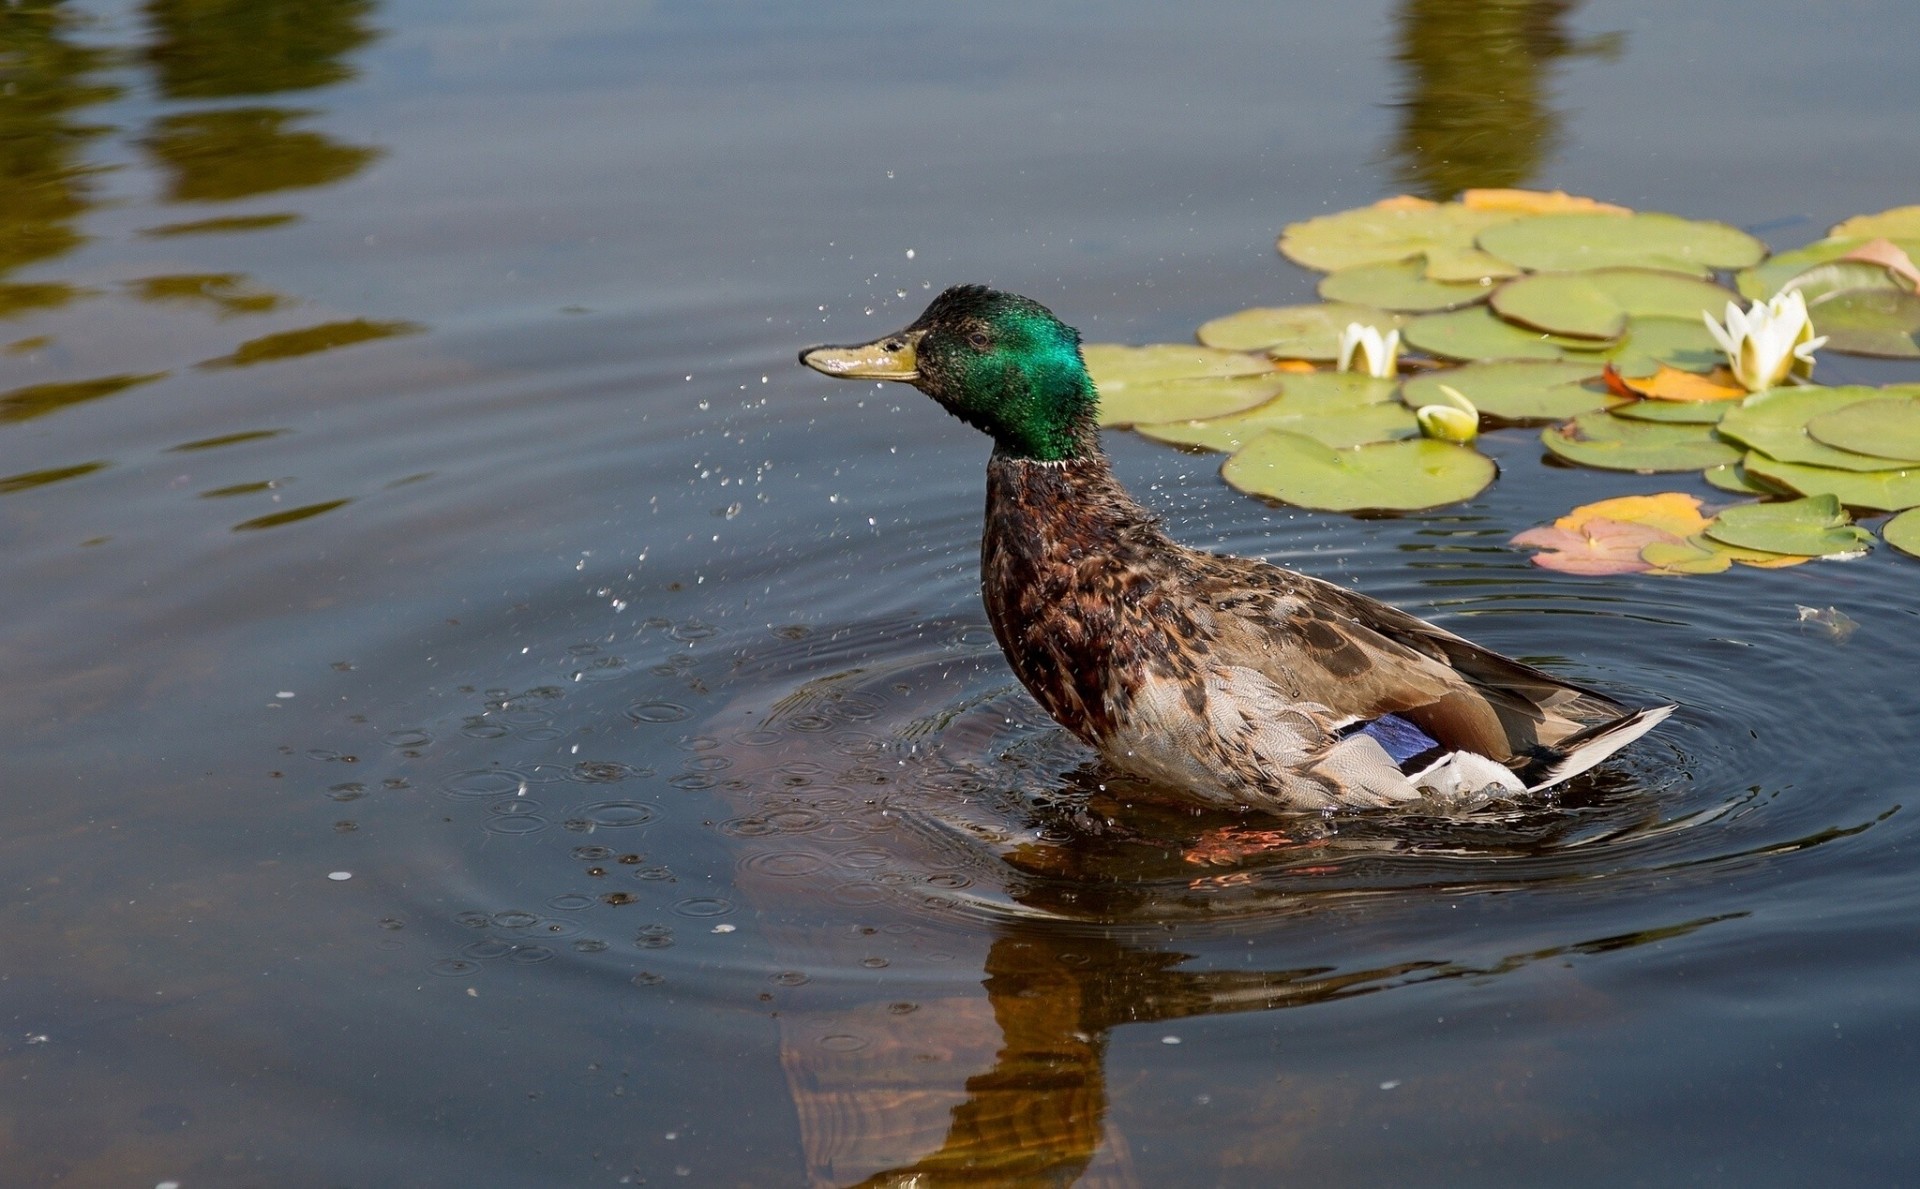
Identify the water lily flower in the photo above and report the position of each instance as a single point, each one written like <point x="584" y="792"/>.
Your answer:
<point x="1378" y="355"/>
<point x="1768" y="343"/>
<point x="1455" y="421"/>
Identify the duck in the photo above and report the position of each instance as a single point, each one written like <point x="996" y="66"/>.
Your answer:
<point x="1230" y="683"/>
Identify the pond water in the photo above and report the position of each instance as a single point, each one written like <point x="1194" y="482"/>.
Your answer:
<point x="479" y="714"/>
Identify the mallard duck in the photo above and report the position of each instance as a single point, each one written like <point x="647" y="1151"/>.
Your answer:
<point x="1238" y="683"/>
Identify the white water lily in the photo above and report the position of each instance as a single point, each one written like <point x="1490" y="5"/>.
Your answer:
<point x="1378" y="355"/>
<point x="1768" y="343"/>
<point x="1455" y="421"/>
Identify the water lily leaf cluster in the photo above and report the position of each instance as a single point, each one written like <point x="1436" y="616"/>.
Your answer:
<point x="1619" y="333"/>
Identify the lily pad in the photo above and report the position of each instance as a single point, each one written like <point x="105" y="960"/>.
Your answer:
<point x="1398" y="229"/>
<point x="1514" y="391"/>
<point x="1764" y="280"/>
<point x="1886" y="428"/>
<point x="1116" y="363"/>
<point x="1336" y="426"/>
<point x="1651" y="240"/>
<point x="1816" y="526"/>
<point x="1477" y="333"/>
<point x="1166" y="400"/>
<point x="1595" y="304"/>
<point x="1902" y="222"/>
<point x="1903" y="532"/>
<point x="1389" y="476"/>
<point x="1293" y="332"/>
<point x="1775" y="423"/>
<point x="1653" y="342"/>
<point x="1873" y="491"/>
<point x="1732" y="476"/>
<point x="1399" y="285"/>
<point x="1610" y="537"/>
<point x="1882" y="322"/>
<point x="1673" y="412"/>
<point x="1612" y="443"/>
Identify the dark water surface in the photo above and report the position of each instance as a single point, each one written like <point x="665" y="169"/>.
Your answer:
<point x="478" y="714"/>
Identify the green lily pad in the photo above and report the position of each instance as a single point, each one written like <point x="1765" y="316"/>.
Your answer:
<point x="1816" y="526"/>
<point x="1837" y="276"/>
<point x="1352" y="425"/>
<point x="1775" y="423"/>
<point x="1882" y="322"/>
<point x="1612" y="443"/>
<point x="1903" y="532"/>
<point x="1514" y="391"/>
<point x="1888" y="428"/>
<point x="1695" y="555"/>
<point x="1649" y="240"/>
<point x="1165" y="400"/>
<point x="1293" y="332"/>
<point x="1873" y="491"/>
<point x="1477" y="333"/>
<point x="1442" y="234"/>
<point x="1595" y="304"/>
<point x="1674" y="412"/>
<point x="1388" y="476"/>
<point x="1116" y="363"/>
<point x="1764" y="280"/>
<point x="1898" y="223"/>
<point x="1650" y="342"/>
<point x="1399" y="285"/>
<point x="1732" y="476"/>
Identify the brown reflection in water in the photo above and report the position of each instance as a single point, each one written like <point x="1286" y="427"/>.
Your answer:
<point x="215" y="49"/>
<point x="1475" y="109"/>
<point x="238" y="152"/>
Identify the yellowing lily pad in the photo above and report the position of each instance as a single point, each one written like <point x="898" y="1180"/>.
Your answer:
<point x="1610" y="536"/>
<point x="1596" y="303"/>
<point x="1537" y="202"/>
<point x="1441" y="233"/>
<point x="1572" y="242"/>
<point x="1514" y="391"/>
<point x="1816" y="526"/>
<point x="1902" y="222"/>
<point x="1388" y="476"/>
<point x="1873" y="491"/>
<point x="1775" y="423"/>
<point x="1295" y="332"/>
<point x="1612" y="443"/>
<point x="1764" y="280"/>
<point x="1888" y="428"/>
<point x="1399" y="285"/>
<point x="1673" y="384"/>
<point x="1903" y="532"/>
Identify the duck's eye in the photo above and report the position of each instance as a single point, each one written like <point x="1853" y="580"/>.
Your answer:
<point x="978" y="340"/>
<point x="893" y="346"/>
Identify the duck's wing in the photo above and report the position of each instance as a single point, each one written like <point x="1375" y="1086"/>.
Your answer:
<point x="1363" y="658"/>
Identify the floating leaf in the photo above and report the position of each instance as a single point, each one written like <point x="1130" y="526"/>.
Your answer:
<point x="1672" y="412"/>
<point x="1813" y="527"/>
<point x="1764" y="280"/>
<point x="1888" y="428"/>
<point x="1892" y="257"/>
<point x="1695" y="555"/>
<point x="1123" y="404"/>
<point x="1597" y="546"/>
<point x="1596" y="303"/>
<point x="1476" y="333"/>
<point x="1296" y="332"/>
<point x="1903" y="532"/>
<point x="1399" y="229"/>
<point x="1537" y="202"/>
<point x="1873" y="491"/>
<point x="1651" y="343"/>
<point x="1883" y="322"/>
<point x="1732" y="476"/>
<point x="1352" y="425"/>
<point x="1672" y="384"/>
<point x="1775" y="423"/>
<point x="1398" y="476"/>
<point x="1902" y="222"/>
<point x="1116" y="363"/>
<point x="1571" y="242"/>
<point x="1615" y="444"/>
<point x="1399" y="285"/>
<point x="1514" y="391"/>
<point x="1838" y="276"/>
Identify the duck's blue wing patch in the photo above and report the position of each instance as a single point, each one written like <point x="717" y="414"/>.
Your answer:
<point x="1401" y="738"/>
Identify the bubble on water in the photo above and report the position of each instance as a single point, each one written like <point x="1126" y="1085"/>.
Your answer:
<point x="483" y="782"/>
<point x="615" y="815"/>
<point x="657" y="712"/>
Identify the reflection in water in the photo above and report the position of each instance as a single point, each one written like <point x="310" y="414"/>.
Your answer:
<point x="1474" y="110"/>
<point x="238" y="152"/>
<point x="215" y="49"/>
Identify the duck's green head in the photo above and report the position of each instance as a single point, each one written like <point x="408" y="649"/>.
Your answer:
<point x="999" y="362"/>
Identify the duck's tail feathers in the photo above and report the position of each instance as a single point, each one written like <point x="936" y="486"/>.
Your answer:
<point x="1582" y="750"/>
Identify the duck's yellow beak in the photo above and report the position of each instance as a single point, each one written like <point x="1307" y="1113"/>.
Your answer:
<point x="889" y="358"/>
